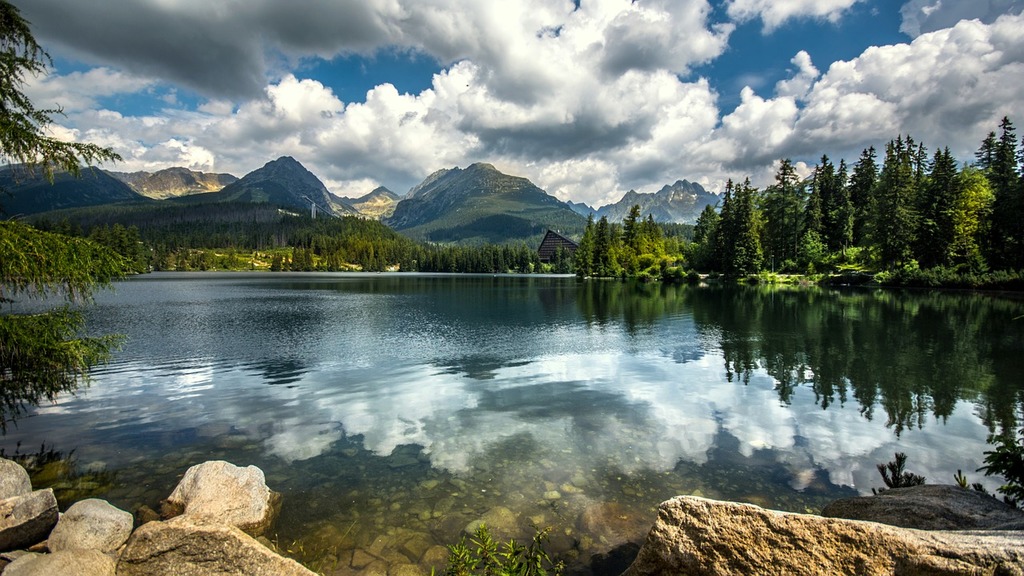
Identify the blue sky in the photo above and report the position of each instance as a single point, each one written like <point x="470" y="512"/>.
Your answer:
<point x="588" y="99"/>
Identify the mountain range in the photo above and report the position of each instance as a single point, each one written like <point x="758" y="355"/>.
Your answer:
<point x="681" y="203"/>
<point x="477" y="204"/>
<point x="173" y="182"/>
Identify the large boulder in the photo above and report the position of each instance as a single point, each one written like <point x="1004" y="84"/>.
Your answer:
<point x="701" y="537"/>
<point x="65" y="563"/>
<point x="930" y="507"/>
<point x="228" y="493"/>
<point x="92" y="524"/>
<point x="198" y="546"/>
<point x="27" y="519"/>
<point x="14" y="480"/>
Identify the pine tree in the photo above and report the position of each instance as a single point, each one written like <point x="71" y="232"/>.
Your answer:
<point x="895" y="219"/>
<point x="862" y="195"/>
<point x="935" y="208"/>
<point x="1006" y="241"/>
<point x="782" y="206"/>
<point x="583" y="259"/>
<point x="837" y="211"/>
<point x="702" y="251"/>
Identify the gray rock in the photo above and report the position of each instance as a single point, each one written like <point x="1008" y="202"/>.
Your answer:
<point x="92" y="524"/>
<point x="930" y="507"/>
<point x="26" y="520"/>
<point x="701" y="537"/>
<point x="65" y="563"/>
<point x="198" y="546"/>
<point x="14" y="480"/>
<point x="228" y="493"/>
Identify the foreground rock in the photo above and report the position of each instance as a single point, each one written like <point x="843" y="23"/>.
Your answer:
<point x="27" y="519"/>
<point x="230" y="494"/>
<point x="197" y="546"/>
<point x="14" y="480"/>
<point x="91" y="524"/>
<point x="696" y="536"/>
<point x="930" y="507"/>
<point x="66" y="563"/>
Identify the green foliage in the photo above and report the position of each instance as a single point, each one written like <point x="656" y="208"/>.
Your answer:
<point x="483" y="556"/>
<point x="894" y="475"/>
<point x="42" y="354"/>
<point x="43" y="264"/>
<point x="1007" y="460"/>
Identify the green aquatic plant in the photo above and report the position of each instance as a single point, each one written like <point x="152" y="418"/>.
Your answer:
<point x="484" y="556"/>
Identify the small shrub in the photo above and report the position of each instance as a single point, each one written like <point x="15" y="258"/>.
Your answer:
<point x="1007" y="460"/>
<point x="894" y="475"/>
<point x="487" y="558"/>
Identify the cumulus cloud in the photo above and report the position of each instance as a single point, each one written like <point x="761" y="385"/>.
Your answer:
<point x="922" y="16"/>
<point x="942" y="86"/>
<point x="774" y="13"/>
<point x="587" y="101"/>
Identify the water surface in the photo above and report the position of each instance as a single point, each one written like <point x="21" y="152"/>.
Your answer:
<point x="395" y="411"/>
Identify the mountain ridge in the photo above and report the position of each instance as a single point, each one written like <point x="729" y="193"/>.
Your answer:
<point x="680" y="203"/>
<point x="174" y="181"/>
<point x="480" y="204"/>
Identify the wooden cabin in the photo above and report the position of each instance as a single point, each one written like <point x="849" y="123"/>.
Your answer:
<point x="551" y="243"/>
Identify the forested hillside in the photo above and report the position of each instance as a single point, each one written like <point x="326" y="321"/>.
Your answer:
<point x="916" y="218"/>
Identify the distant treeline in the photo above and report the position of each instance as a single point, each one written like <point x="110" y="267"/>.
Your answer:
<point x="260" y="236"/>
<point x="916" y="218"/>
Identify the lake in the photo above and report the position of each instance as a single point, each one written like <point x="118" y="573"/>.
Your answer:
<point x="393" y="411"/>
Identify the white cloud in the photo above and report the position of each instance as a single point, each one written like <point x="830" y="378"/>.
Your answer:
<point x="798" y="86"/>
<point x="945" y="88"/>
<point x="921" y="16"/>
<point x="587" y="102"/>
<point x="774" y="13"/>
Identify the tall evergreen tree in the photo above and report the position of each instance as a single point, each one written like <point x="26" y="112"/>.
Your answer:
<point x="861" y="192"/>
<point x="935" y="207"/>
<point x="782" y="206"/>
<point x="821" y="185"/>
<point x="705" y="232"/>
<point x="985" y="155"/>
<point x="836" y="210"/>
<point x="895" y="219"/>
<point x="583" y="259"/>
<point x="1006" y="242"/>
<point x="739" y="231"/>
<point x="604" y="257"/>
